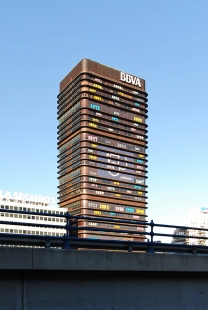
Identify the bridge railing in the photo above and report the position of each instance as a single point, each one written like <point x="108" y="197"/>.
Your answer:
<point x="67" y="241"/>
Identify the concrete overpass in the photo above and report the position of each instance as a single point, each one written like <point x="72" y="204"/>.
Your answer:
<point x="32" y="279"/>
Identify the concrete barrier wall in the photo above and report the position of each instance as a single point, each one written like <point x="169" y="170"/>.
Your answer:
<point x="63" y="279"/>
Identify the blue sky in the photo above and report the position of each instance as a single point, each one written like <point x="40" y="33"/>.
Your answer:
<point x="164" y="42"/>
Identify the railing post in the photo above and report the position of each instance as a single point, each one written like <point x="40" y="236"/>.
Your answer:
<point x="151" y="249"/>
<point x="194" y="251"/>
<point x="67" y="240"/>
<point x="130" y="248"/>
<point x="47" y="244"/>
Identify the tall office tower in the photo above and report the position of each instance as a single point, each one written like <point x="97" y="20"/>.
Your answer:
<point x="102" y="145"/>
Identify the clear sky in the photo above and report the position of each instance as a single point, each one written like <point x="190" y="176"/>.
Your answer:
<point x="164" y="42"/>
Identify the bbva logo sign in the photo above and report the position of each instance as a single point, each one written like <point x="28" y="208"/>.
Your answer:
<point x="130" y="79"/>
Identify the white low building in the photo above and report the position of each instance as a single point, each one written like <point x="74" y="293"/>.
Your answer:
<point x="30" y="203"/>
<point x="198" y="218"/>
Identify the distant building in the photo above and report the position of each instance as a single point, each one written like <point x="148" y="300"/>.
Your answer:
<point x="180" y="238"/>
<point x="198" y="218"/>
<point x="31" y="203"/>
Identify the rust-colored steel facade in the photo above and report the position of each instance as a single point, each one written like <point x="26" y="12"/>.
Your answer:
<point x="102" y="141"/>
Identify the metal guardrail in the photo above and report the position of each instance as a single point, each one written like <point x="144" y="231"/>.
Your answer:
<point x="69" y="242"/>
